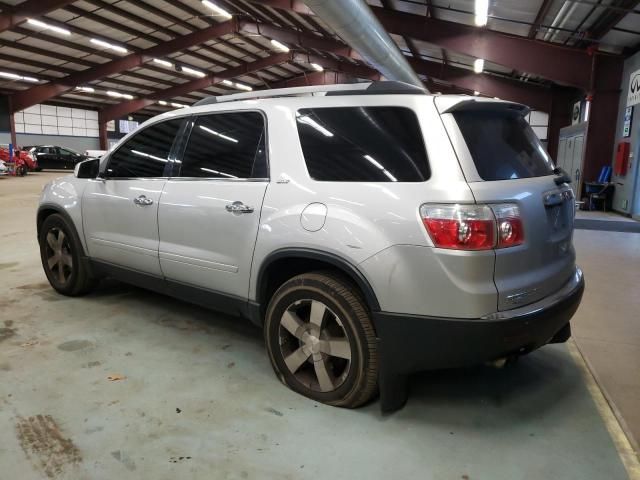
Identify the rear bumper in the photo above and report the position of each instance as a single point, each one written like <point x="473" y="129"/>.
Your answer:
<point x="410" y="343"/>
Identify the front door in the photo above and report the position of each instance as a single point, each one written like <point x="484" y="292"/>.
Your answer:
<point x="120" y="212"/>
<point x="210" y="210"/>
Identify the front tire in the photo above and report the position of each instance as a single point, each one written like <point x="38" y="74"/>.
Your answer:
<point x="61" y="255"/>
<point x="321" y="341"/>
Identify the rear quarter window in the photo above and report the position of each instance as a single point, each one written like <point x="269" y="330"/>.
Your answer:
<point x="503" y="145"/>
<point x="362" y="144"/>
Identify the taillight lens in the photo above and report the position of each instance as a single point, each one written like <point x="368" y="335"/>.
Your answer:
<point x="460" y="227"/>
<point x="509" y="225"/>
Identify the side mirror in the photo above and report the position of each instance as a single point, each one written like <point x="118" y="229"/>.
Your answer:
<point x="87" y="168"/>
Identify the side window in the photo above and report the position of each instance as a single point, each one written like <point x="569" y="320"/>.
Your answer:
<point x="363" y="144"/>
<point x="226" y="145"/>
<point x="146" y="153"/>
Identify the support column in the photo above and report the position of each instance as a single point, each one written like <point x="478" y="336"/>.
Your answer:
<point x="102" y="133"/>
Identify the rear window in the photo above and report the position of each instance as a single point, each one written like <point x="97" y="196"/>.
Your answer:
<point x="503" y="145"/>
<point x="362" y="144"/>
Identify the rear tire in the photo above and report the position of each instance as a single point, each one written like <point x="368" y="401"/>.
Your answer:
<point x="62" y="257"/>
<point x="321" y="341"/>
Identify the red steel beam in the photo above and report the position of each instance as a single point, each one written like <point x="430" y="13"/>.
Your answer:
<point x="40" y="93"/>
<point x="13" y="16"/>
<point x="490" y="85"/>
<point x="570" y="66"/>
<point x="121" y="109"/>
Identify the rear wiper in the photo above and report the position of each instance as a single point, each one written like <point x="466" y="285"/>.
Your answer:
<point x="562" y="176"/>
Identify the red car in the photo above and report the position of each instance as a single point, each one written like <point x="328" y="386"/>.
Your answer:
<point x="24" y="162"/>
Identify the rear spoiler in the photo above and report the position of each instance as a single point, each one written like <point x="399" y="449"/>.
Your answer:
<point x="449" y="105"/>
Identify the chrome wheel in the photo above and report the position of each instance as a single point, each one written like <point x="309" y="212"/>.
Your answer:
<point x="314" y="345"/>
<point x="58" y="255"/>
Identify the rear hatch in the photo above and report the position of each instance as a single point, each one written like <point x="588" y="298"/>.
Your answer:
<point x="504" y="162"/>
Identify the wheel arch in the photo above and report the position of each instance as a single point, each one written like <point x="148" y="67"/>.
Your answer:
<point x="47" y="209"/>
<point x="286" y="263"/>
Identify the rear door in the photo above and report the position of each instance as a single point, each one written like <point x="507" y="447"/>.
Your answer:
<point x="504" y="162"/>
<point x="210" y="209"/>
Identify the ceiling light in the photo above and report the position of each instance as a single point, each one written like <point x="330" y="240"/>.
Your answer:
<point x="279" y="46"/>
<point x="218" y="134"/>
<point x="316" y="67"/>
<point x="162" y="62"/>
<point x="162" y="102"/>
<point x="111" y="93"/>
<point x="46" y="26"/>
<point x="108" y="45"/>
<point x="228" y="83"/>
<point x="482" y="12"/>
<point x="86" y="89"/>
<point x="220" y="11"/>
<point x="242" y="86"/>
<point x="14" y="76"/>
<point x="178" y="105"/>
<point x="478" y="65"/>
<point x="191" y="71"/>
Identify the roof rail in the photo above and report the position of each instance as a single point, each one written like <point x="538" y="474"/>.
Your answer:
<point x="366" y="88"/>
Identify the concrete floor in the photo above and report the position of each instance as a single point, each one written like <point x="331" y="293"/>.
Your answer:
<point x="124" y="383"/>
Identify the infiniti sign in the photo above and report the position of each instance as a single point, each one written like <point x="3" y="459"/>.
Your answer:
<point x="633" y="96"/>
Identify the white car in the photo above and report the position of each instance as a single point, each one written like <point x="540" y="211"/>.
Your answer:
<point x="4" y="170"/>
<point x="371" y="230"/>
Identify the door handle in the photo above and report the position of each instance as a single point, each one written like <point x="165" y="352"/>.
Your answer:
<point x="238" y="207"/>
<point x="143" y="200"/>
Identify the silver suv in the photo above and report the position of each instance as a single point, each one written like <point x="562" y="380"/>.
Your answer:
<point x="372" y="230"/>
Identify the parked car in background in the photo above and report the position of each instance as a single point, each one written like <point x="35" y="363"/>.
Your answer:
<point x="24" y="162"/>
<point x="54" y="157"/>
<point x="94" y="153"/>
<point x="4" y="170"/>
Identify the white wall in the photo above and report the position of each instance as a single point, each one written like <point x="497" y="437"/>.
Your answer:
<point x="52" y="120"/>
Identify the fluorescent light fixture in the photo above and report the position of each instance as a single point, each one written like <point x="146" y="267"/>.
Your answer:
<point x="482" y="12"/>
<point x="313" y="124"/>
<point x="242" y="86"/>
<point x="279" y="46"/>
<point x="220" y="11"/>
<point x="14" y="76"/>
<point x="228" y="83"/>
<point x="193" y="72"/>
<point x="218" y="134"/>
<point x="164" y="63"/>
<point x="478" y="65"/>
<point x="316" y="67"/>
<point x="162" y="102"/>
<point x="46" y="26"/>
<point x="111" y="93"/>
<point x="178" y="105"/>
<point x="108" y="45"/>
<point x="86" y="89"/>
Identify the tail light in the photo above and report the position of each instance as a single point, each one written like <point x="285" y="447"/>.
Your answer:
<point x="460" y="227"/>
<point x="509" y="225"/>
<point x="473" y="227"/>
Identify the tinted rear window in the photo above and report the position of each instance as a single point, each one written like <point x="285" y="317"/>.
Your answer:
<point x="362" y="144"/>
<point x="503" y="145"/>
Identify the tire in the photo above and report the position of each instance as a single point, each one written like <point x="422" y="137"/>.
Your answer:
<point x="22" y="170"/>
<point x="58" y="239"/>
<point x="321" y="341"/>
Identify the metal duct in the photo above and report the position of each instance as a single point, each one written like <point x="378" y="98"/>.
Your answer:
<point x="356" y="24"/>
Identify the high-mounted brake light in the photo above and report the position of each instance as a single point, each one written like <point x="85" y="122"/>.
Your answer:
<point x="473" y="227"/>
<point x="460" y="227"/>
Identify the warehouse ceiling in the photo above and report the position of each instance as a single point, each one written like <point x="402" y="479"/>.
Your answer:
<point x="44" y="42"/>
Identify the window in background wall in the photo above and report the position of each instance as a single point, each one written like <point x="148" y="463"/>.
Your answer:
<point x="127" y="126"/>
<point x="52" y="120"/>
<point x="539" y="122"/>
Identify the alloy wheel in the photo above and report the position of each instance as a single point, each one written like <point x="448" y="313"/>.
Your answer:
<point x="58" y="255"/>
<point x="314" y="345"/>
